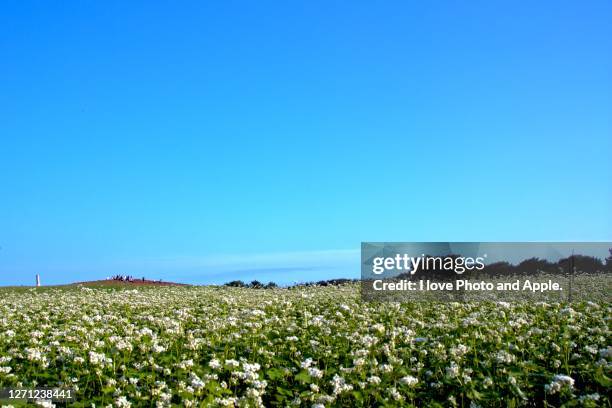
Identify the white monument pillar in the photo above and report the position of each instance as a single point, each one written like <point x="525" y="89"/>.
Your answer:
<point x="37" y="280"/>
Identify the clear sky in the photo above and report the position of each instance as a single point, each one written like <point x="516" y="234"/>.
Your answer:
<point x="210" y="141"/>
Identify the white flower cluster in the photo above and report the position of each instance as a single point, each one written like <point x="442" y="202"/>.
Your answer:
<point x="558" y="383"/>
<point x="99" y="359"/>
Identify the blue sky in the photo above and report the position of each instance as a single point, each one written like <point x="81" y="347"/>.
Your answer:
<point x="208" y="141"/>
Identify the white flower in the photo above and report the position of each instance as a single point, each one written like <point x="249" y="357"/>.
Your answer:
<point x="306" y="363"/>
<point x="379" y="328"/>
<point x="358" y="362"/>
<point x="315" y="372"/>
<point x="96" y="358"/>
<point x="453" y="370"/>
<point x="157" y="348"/>
<point x="195" y="381"/>
<point x="214" y="364"/>
<point x="251" y="367"/>
<point x="185" y="364"/>
<point x="589" y="397"/>
<point x="409" y="380"/>
<point x="503" y="356"/>
<point x="559" y="382"/>
<point x="122" y="402"/>
<point x="459" y="351"/>
<point x="340" y="385"/>
<point x="374" y="380"/>
<point x="145" y="331"/>
<point x="226" y="402"/>
<point x="33" y="354"/>
<point x="232" y="363"/>
<point x="395" y="394"/>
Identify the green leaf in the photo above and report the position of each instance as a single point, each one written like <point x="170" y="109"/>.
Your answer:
<point x="602" y="379"/>
<point x="474" y="395"/>
<point x="302" y="377"/>
<point x="284" y="391"/>
<point x="275" y="373"/>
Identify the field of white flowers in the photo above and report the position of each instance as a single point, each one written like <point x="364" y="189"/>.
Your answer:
<point x="308" y="346"/>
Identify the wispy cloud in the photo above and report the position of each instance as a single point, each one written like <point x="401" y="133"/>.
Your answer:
<point x="280" y="266"/>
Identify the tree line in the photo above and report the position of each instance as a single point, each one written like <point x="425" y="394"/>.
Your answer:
<point x="580" y="263"/>
<point x="255" y="284"/>
<point x="575" y="264"/>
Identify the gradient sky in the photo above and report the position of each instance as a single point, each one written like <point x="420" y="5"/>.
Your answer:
<point x="207" y="141"/>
